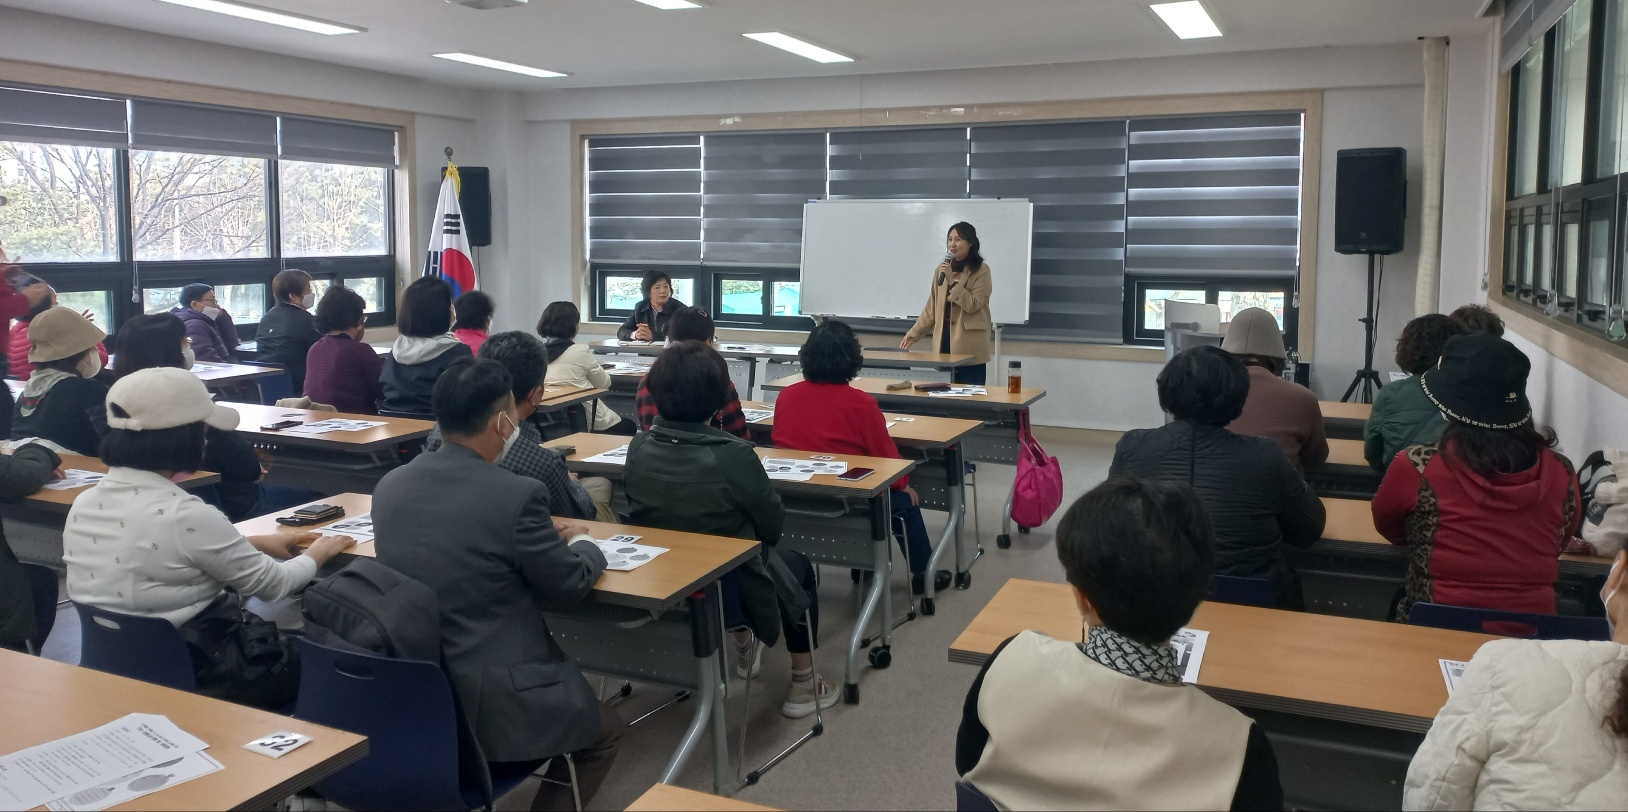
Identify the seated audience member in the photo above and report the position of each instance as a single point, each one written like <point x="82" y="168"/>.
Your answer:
<point x="285" y="334"/>
<point x="1533" y="724"/>
<point x="425" y="348"/>
<point x="137" y="544"/>
<point x="1489" y="506"/>
<point x="684" y="474"/>
<point x="650" y="317"/>
<point x="340" y="370"/>
<point x="573" y="364"/>
<point x="823" y="413"/>
<point x="1402" y="415"/>
<point x="62" y="401"/>
<point x="22" y="472"/>
<point x="525" y="698"/>
<point x="1474" y="318"/>
<point x="1137" y="555"/>
<point x="214" y="336"/>
<point x="1276" y="408"/>
<point x="474" y="318"/>
<point x="17" y="356"/>
<point x="1254" y="497"/>
<point x="694" y="324"/>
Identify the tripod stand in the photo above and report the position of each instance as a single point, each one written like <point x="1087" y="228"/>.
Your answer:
<point x="1366" y="377"/>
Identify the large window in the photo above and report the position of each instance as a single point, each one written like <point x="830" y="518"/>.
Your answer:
<point x="63" y="202"/>
<point x="189" y="206"/>
<point x="331" y="210"/>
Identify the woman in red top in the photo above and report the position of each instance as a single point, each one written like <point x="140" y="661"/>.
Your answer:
<point x="1488" y="508"/>
<point x="824" y="413"/>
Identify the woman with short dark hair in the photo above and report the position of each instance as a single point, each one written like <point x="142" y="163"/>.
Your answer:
<point x="695" y="324"/>
<point x="1137" y="556"/>
<point x="649" y="319"/>
<point x="473" y="323"/>
<point x="214" y="336"/>
<point x="425" y="348"/>
<point x="285" y="334"/>
<point x="1476" y="318"/>
<point x="341" y="371"/>
<point x="1402" y="415"/>
<point x="1254" y="497"/>
<point x="573" y="364"/>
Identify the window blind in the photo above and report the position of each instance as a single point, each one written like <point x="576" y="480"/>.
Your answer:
<point x="28" y="114"/>
<point x="340" y="142"/>
<point x="644" y="198"/>
<point x="177" y="127"/>
<point x="1524" y="24"/>
<point x="896" y="163"/>
<point x="754" y="186"/>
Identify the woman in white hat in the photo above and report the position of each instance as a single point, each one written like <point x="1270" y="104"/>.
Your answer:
<point x="62" y="401"/>
<point x="137" y="544"/>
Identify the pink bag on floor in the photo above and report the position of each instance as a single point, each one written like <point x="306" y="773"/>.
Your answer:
<point x="1038" y="489"/>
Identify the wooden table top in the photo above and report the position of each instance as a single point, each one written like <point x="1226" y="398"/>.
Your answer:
<point x="1352" y="521"/>
<point x="1335" y="410"/>
<point x="47" y="700"/>
<point x="214" y="373"/>
<point x="60" y="501"/>
<point x="355" y="504"/>
<point x="1346" y="452"/>
<point x="877" y="387"/>
<point x="874" y="357"/>
<point x="887" y="471"/>
<point x="557" y="397"/>
<point x="885" y="357"/>
<point x="395" y="430"/>
<point x="920" y="431"/>
<point x="668" y="798"/>
<point x="1359" y="671"/>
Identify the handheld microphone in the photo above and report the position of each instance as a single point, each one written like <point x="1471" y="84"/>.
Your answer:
<point x="948" y="257"/>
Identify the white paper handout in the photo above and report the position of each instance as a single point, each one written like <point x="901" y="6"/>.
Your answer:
<point x="334" y="424"/>
<point x="135" y="785"/>
<point x="77" y="763"/>
<point x="1451" y="672"/>
<point x="623" y="555"/>
<point x="1189" y="644"/>
<point x="205" y="366"/>
<point x="754" y="415"/>
<point x="803" y="468"/>
<point x="959" y="392"/>
<point x="615" y="456"/>
<point x="357" y="527"/>
<point x="74" y="478"/>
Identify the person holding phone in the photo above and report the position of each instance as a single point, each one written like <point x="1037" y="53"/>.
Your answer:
<point x="957" y="309"/>
<point x="20" y="293"/>
<point x="650" y="317"/>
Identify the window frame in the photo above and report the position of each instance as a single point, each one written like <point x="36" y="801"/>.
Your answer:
<point x="707" y="282"/>
<point x="1137" y="286"/>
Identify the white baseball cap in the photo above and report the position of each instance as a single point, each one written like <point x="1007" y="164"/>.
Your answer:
<point x="163" y="398"/>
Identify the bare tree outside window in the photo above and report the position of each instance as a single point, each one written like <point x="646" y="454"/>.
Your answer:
<point x="62" y="203"/>
<point x="333" y="210"/>
<point x="190" y="206"/>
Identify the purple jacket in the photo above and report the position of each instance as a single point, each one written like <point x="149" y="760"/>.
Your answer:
<point x="344" y="373"/>
<point x="211" y="340"/>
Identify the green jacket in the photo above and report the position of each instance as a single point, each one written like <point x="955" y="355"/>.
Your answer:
<point x="1402" y="416"/>
<point x="697" y="479"/>
<point x="21" y="474"/>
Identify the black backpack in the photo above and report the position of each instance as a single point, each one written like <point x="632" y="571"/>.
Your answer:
<point x="370" y="608"/>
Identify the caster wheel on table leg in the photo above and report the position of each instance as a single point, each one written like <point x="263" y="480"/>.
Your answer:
<point x="1023" y="530"/>
<point x="1003" y="541"/>
<point x="850" y="693"/>
<point x="881" y="656"/>
<point x="963" y="580"/>
<point x="928" y="607"/>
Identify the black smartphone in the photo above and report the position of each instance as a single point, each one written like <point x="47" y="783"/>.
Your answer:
<point x="279" y="425"/>
<point x="312" y="514"/>
<point x="855" y="474"/>
<point x="563" y="450"/>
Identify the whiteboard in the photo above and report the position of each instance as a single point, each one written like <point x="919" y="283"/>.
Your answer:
<point x="876" y="258"/>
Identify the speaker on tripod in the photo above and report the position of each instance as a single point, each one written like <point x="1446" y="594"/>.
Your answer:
<point x="1370" y="211"/>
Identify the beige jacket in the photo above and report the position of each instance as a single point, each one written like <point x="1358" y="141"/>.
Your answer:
<point x="578" y="367"/>
<point x="1525" y="730"/>
<point x="970" y="325"/>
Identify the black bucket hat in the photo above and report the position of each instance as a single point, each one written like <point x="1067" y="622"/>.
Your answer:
<point x="1480" y="380"/>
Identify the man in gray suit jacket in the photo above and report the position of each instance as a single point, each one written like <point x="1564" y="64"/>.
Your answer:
<point x="482" y="538"/>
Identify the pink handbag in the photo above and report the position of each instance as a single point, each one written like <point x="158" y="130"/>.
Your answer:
<point x="1038" y="489"/>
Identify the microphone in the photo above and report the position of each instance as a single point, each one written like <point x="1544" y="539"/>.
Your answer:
<point x="948" y="257"/>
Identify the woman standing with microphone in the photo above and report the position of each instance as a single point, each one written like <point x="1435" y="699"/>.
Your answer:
<point x="957" y="310"/>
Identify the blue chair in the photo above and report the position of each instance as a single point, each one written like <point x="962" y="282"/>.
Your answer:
<point x="42" y="583"/>
<point x="144" y="648"/>
<point x="418" y="760"/>
<point x="969" y="799"/>
<point x="273" y="387"/>
<point x="1509" y="624"/>
<point x="1247" y="591"/>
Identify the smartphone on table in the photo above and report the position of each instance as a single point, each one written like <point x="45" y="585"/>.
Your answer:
<point x="855" y="474"/>
<point x="312" y="514"/>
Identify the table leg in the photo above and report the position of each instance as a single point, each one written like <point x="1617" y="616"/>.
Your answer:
<point x="954" y="473"/>
<point x="751" y="379"/>
<point x="875" y="598"/>
<point x="578" y="416"/>
<point x="705" y="623"/>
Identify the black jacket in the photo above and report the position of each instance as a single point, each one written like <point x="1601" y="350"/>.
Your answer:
<point x="1254" y="498"/>
<point x="644" y="314"/>
<point x="73" y="414"/>
<point x="21" y="473"/>
<point x="284" y="336"/>
<point x="228" y="454"/>
<point x="407" y="387"/>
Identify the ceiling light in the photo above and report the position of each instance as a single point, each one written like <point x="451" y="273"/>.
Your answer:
<point x="498" y="64"/>
<point x="266" y="15"/>
<point x="799" y="47"/>
<point x="1188" y="19"/>
<point x="670" y="5"/>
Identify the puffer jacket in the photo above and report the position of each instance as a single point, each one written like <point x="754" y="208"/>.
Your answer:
<point x="21" y="473"/>
<point x="1524" y="730"/>
<point x="1255" y="499"/>
<point x="212" y="339"/>
<point x="1402" y="416"/>
<point x="698" y="479"/>
<point x="414" y="364"/>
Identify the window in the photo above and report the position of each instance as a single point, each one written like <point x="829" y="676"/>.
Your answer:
<point x="98" y="303"/>
<point x="788" y="299"/>
<point x="331" y="210"/>
<point x="1613" y="135"/>
<point x="189" y="206"/>
<point x="1147" y="302"/>
<point x="160" y="300"/>
<point x="1232" y="301"/>
<point x="63" y="205"/>
<point x="1528" y="123"/>
<point x="1570" y="95"/>
<point x="1153" y="301"/>
<point x="740" y="297"/>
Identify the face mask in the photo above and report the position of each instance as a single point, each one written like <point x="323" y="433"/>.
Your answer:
<point x="1606" y="594"/>
<point x="309" y="301"/>
<point x="211" y="312"/>
<point x="89" y="366"/>
<point x="188" y="357"/>
<point x="508" y="442"/>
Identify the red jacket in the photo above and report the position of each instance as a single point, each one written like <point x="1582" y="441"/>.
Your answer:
<point x="833" y="418"/>
<point x="17" y="352"/>
<point x="1491" y="543"/>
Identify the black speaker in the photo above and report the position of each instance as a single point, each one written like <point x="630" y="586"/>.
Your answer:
<point x="475" y="198"/>
<point x="1370" y="200"/>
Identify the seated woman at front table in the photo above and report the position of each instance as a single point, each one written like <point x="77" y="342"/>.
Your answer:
<point x="340" y="370"/>
<point x="694" y="324"/>
<point x="685" y="475"/>
<point x="473" y="319"/>
<point x="1490" y="505"/>
<point x="573" y="364"/>
<point x="17" y="358"/>
<point x="137" y="544"/>
<point x="214" y="337"/>
<point x="1402" y="415"/>
<point x="823" y="413"/>
<point x="1255" y="499"/>
<point x="62" y="401"/>
<point x="1276" y="408"/>
<point x="1107" y="723"/>
<point x="650" y="317"/>
<point x="425" y="348"/>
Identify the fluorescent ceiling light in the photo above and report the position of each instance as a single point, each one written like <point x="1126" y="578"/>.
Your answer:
<point x="799" y="47"/>
<point x="670" y="5"/>
<point x="1188" y="19"/>
<point x="266" y="15"/>
<point x="498" y="64"/>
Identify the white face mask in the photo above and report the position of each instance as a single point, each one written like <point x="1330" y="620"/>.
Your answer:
<point x="309" y="301"/>
<point x="1606" y="594"/>
<point x="188" y="357"/>
<point x="89" y="365"/>
<point x="514" y="436"/>
<point x="211" y="312"/>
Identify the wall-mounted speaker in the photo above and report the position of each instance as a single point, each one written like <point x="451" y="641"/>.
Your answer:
<point x="1370" y="200"/>
<point x="475" y="198"/>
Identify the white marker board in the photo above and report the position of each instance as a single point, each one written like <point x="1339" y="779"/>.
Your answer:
<point x="864" y="258"/>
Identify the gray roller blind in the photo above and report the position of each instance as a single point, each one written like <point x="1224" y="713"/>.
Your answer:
<point x="644" y="198"/>
<point x="1524" y="24"/>
<point x="312" y="139"/>
<point x="899" y="163"/>
<point x="1214" y="195"/>
<point x="28" y="114"/>
<point x="177" y="127"/>
<point x="754" y="186"/>
<point x="1074" y="174"/>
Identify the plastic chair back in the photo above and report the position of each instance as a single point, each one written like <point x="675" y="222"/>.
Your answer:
<point x="1509" y="624"/>
<point x="408" y="415"/>
<point x="273" y="387"/>
<point x="969" y="799"/>
<point x="144" y="648"/>
<point x="1247" y="591"/>
<point x="42" y="583"/>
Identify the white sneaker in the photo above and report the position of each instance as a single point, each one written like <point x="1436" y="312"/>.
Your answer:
<point x="802" y="698"/>
<point x="749" y="662"/>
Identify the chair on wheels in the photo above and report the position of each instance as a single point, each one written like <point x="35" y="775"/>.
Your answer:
<point x="42" y="584"/>
<point x="426" y="759"/>
<point x="144" y="648"/>
<point x="273" y="387"/>
<point x="1508" y="624"/>
<point x="1247" y="591"/>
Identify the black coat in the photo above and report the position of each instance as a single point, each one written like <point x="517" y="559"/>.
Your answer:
<point x="643" y="313"/>
<point x="283" y="338"/>
<point x="21" y="473"/>
<point x="1255" y="499"/>
<point x="73" y="414"/>
<point x="407" y="387"/>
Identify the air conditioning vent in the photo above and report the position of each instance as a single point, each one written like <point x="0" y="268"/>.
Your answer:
<point x="484" y="5"/>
